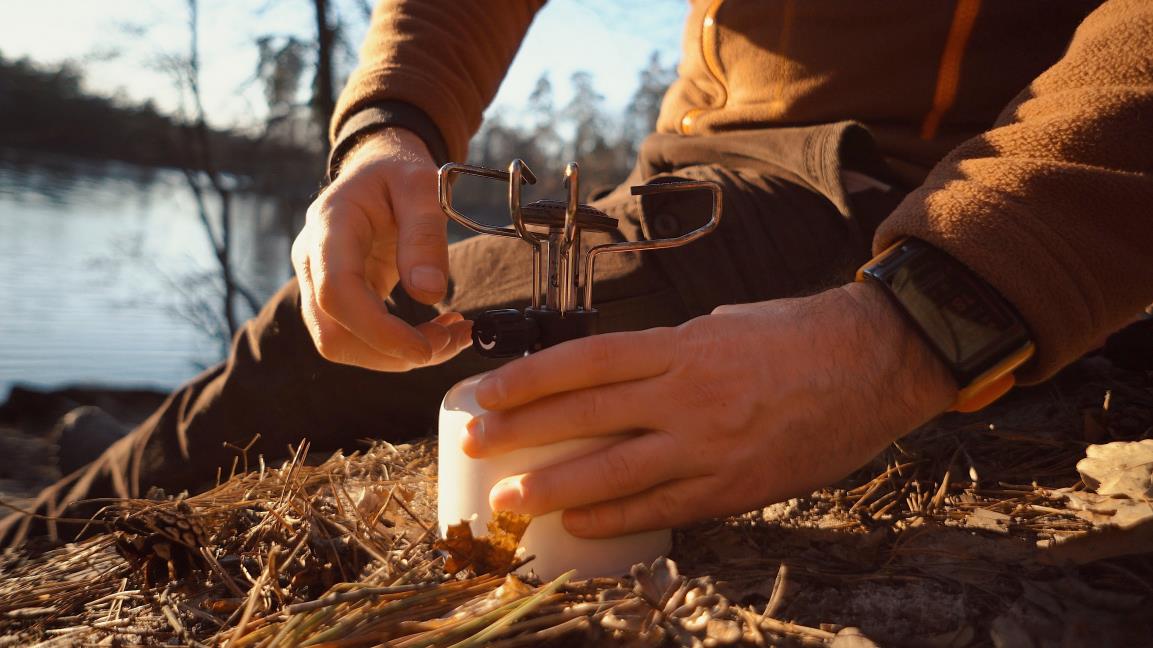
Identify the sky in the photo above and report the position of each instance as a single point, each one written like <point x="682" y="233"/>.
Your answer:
<point x="120" y="44"/>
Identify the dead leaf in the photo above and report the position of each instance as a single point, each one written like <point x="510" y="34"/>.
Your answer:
<point x="490" y="554"/>
<point x="459" y="544"/>
<point x="1120" y="468"/>
<point x="1108" y="511"/>
<point x="1121" y="526"/>
<point x="1121" y="511"/>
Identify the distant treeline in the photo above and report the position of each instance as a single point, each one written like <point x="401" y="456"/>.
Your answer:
<point x="548" y="136"/>
<point x="46" y="109"/>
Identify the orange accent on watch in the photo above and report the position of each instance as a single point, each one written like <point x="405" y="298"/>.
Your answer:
<point x="993" y="384"/>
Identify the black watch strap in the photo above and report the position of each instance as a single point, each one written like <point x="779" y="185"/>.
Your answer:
<point x="376" y="117"/>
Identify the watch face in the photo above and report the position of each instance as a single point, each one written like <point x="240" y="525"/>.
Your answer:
<point x="968" y="323"/>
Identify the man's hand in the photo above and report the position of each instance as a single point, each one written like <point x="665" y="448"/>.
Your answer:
<point x="750" y="405"/>
<point x="378" y="224"/>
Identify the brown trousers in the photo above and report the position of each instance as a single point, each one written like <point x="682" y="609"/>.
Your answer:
<point x="788" y="227"/>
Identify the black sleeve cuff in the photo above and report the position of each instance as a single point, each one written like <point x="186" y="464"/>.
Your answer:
<point x="378" y="116"/>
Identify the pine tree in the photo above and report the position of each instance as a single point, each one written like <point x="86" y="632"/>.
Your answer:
<point x="640" y="116"/>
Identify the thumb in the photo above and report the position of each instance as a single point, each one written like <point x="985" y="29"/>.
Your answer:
<point x="422" y="240"/>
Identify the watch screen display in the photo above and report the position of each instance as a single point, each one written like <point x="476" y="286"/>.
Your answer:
<point x="950" y="312"/>
<point x="970" y="325"/>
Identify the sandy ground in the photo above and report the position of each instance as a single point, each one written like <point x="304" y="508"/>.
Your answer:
<point x="980" y="570"/>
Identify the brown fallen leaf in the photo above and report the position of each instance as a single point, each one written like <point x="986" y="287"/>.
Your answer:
<point x="489" y="554"/>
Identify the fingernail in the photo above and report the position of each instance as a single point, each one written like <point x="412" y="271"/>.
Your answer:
<point x="428" y="279"/>
<point x="577" y="521"/>
<point x="506" y="496"/>
<point x="472" y="441"/>
<point x="490" y="392"/>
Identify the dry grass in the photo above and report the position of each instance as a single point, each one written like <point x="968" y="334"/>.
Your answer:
<point x="942" y="542"/>
<point x="336" y="554"/>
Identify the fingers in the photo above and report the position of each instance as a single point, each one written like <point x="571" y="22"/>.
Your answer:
<point x="422" y="239"/>
<point x="669" y="505"/>
<point x="448" y="333"/>
<point x="334" y="342"/>
<point x="380" y="269"/>
<point x="461" y="333"/>
<point x="610" y="409"/>
<point x="631" y="466"/>
<point x="348" y="258"/>
<point x="436" y="333"/>
<point x="587" y="362"/>
<point x="343" y="293"/>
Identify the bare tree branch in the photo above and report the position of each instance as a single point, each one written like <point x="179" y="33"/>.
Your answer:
<point x="365" y="9"/>
<point x="202" y="163"/>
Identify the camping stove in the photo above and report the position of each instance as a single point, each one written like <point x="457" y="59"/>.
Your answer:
<point x="561" y="309"/>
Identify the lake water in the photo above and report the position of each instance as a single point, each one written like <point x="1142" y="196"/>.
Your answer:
<point x="97" y="261"/>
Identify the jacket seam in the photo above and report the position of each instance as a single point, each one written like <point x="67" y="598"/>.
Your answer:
<point x="949" y="71"/>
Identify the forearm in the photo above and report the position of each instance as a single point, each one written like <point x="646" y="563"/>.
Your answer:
<point x="1050" y="207"/>
<point x="431" y="66"/>
<point x="903" y="382"/>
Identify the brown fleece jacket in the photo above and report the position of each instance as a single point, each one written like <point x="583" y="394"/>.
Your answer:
<point x="444" y="57"/>
<point x="1053" y="205"/>
<point x="1046" y="206"/>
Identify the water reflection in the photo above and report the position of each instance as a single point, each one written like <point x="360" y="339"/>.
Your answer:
<point x="98" y="260"/>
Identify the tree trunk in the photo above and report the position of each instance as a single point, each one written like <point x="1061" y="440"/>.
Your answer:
<point x="323" y="87"/>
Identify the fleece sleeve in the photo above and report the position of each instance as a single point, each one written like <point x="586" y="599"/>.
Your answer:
<point x="432" y="65"/>
<point x="1054" y="205"/>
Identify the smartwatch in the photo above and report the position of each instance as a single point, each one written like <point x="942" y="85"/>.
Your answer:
<point x="965" y="321"/>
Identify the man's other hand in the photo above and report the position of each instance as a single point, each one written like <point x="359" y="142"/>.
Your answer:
<point x="732" y="411"/>
<point x="378" y="224"/>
